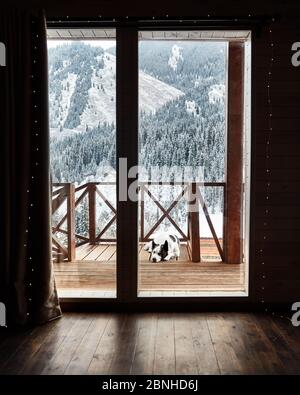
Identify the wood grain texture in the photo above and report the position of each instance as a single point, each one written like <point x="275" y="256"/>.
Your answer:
<point x="97" y="271"/>
<point x="154" y="343"/>
<point x="234" y="154"/>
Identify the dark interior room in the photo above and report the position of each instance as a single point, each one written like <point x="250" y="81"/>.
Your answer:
<point x="150" y="180"/>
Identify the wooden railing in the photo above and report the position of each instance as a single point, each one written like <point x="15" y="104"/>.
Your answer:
<point x="73" y="197"/>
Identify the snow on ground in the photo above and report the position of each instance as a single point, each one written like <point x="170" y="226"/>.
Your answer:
<point x="58" y="134"/>
<point x="108" y="174"/>
<point x="153" y="94"/>
<point x="102" y="95"/>
<point x="68" y="86"/>
<point x="199" y="81"/>
<point x="66" y="94"/>
<point x="192" y="108"/>
<point x="216" y="93"/>
<point x="176" y="56"/>
<point x="217" y="221"/>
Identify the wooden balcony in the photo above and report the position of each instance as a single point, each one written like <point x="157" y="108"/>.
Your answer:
<point x="87" y="263"/>
<point x="94" y="270"/>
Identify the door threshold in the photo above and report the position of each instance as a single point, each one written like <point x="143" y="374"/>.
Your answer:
<point x="86" y="293"/>
<point x="189" y="294"/>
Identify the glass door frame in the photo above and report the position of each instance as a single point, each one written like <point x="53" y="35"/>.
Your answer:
<point x="127" y="130"/>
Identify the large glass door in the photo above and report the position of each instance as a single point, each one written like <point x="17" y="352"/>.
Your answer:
<point x="150" y="130"/>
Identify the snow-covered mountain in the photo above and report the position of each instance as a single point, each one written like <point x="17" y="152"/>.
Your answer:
<point x="154" y="93"/>
<point x="87" y="93"/>
<point x="182" y="122"/>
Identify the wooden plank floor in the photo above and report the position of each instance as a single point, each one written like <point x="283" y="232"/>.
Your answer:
<point x="154" y="343"/>
<point x="107" y="252"/>
<point x="95" y="269"/>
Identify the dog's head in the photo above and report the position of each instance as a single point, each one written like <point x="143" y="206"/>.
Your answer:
<point x="158" y="252"/>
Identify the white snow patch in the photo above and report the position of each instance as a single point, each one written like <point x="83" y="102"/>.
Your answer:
<point x="101" y="105"/>
<point x="58" y="134"/>
<point x="216" y="93"/>
<point x="176" y="56"/>
<point x="217" y="221"/>
<point x="66" y="94"/>
<point x="198" y="81"/>
<point x="66" y="63"/>
<point x="192" y="108"/>
<point x="153" y="94"/>
<point x="63" y="105"/>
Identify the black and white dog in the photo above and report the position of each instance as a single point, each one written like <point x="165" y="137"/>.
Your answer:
<point x="163" y="247"/>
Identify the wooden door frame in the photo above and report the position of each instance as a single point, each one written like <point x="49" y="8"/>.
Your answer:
<point x="127" y="211"/>
<point x="233" y="215"/>
<point x="127" y="147"/>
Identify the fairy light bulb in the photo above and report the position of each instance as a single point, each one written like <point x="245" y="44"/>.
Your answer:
<point x="267" y="163"/>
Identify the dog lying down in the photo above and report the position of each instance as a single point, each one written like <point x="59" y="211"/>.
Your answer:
<point x="163" y="247"/>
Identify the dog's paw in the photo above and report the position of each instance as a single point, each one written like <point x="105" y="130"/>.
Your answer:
<point x="168" y="257"/>
<point x="148" y="247"/>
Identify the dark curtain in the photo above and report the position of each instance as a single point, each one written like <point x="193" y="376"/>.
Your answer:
<point x="27" y="284"/>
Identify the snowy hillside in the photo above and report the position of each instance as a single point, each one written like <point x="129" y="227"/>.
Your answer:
<point x="96" y="95"/>
<point x="154" y="93"/>
<point x="182" y="122"/>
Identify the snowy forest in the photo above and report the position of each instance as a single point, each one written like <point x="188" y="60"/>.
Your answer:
<point x="182" y="103"/>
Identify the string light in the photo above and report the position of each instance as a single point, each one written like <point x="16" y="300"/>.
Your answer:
<point x="35" y="161"/>
<point x="163" y="17"/>
<point x="268" y="164"/>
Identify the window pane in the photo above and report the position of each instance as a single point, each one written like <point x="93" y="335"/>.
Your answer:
<point x="82" y="92"/>
<point x="182" y="154"/>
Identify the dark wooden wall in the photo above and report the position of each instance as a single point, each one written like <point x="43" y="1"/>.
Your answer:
<point x="278" y="279"/>
<point x="280" y="226"/>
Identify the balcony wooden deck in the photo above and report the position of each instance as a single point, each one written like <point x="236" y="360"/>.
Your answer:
<point x="94" y="271"/>
<point x="85" y="265"/>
